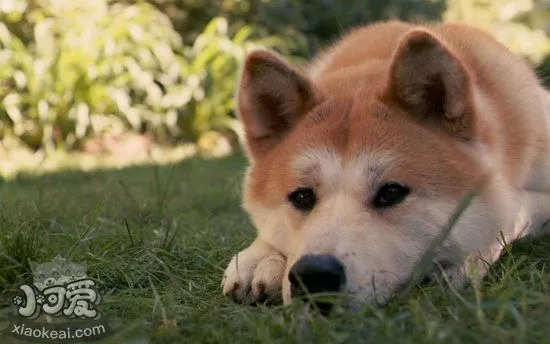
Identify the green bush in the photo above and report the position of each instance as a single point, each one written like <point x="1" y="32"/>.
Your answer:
<point x="89" y="69"/>
<point x="92" y="68"/>
<point x="213" y="64"/>
<point x="521" y="25"/>
<point x="71" y="70"/>
<point x="320" y="21"/>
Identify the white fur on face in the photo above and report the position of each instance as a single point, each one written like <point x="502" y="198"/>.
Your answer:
<point x="329" y="171"/>
<point x="379" y="248"/>
<point x="377" y="257"/>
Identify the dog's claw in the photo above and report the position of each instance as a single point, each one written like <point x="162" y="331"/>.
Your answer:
<point x="254" y="276"/>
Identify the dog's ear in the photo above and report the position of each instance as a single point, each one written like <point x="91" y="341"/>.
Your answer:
<point x="272" y="98"/>
<point x="432" y="84"/>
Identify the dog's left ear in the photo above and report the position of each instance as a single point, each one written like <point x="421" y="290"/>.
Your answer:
<point x="432" y="84"/>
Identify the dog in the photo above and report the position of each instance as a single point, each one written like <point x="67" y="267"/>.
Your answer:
<point x="358" y="163"/>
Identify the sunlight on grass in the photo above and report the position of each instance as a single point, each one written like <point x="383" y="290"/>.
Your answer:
<point x="20" y="161"/>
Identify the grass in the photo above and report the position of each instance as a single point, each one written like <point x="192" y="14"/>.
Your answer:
<point x="159" y="238"/>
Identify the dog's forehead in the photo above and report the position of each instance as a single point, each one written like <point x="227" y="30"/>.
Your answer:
<point x="347" y="141"/>
<point x="354" y="123"/>
<point x="327" y="166"/>
<point x="355" y="144"/>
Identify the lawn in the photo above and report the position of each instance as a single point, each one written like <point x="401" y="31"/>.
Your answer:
<point x="159" y="238"/>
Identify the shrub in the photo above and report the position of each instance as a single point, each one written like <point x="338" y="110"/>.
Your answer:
<point x="91" y="68"/>
<point x="521" y="25"/>
<point x="214" y="61"/>
<point x="94" y="67"/>
<point x="318" y="20"/>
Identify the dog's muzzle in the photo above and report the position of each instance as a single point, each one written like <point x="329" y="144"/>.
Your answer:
<point x="313" y="274"/>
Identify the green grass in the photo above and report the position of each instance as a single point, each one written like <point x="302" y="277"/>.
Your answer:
<point x="159" y="238"/>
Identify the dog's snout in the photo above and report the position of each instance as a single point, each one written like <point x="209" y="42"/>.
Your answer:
<point x="315" y="274"/>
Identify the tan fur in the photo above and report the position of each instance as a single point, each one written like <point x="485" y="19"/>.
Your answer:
<point x="369" y="111"/>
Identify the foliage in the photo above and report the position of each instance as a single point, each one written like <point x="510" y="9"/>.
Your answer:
<point x="74" y="70"/>
<point x="522" y="25"/>
<point x="325" y="20"/>
<point x="213" y="64"/>
<point x="91" y="68"/>
<point x="308" y="23"/>
<point x="96" y="68"/>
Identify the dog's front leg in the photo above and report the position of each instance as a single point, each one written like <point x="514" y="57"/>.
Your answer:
<point x="255" y="274"/>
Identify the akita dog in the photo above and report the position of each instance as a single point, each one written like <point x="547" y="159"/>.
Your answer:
<point x="357" y="164"/>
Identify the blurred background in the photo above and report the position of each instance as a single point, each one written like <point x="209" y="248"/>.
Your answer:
<point x="92" y="83"/>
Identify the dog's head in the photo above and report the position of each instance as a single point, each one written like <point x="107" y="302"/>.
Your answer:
<point x="354" y="174"/>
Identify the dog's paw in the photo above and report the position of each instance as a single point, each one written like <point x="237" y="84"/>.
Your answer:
<point x="453" y="275"/>
<point x="255" y="275"/>
<point x="457" y="275"/>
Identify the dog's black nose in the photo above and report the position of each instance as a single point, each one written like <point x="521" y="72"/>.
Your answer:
<point x="315" y="274"/>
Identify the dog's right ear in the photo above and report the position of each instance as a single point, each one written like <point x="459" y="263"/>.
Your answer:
<point x="272" y="98"/>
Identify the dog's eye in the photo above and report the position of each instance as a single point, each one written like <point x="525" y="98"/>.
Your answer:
<point x="303" y="199"/>
<point x="390" y="194"/>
